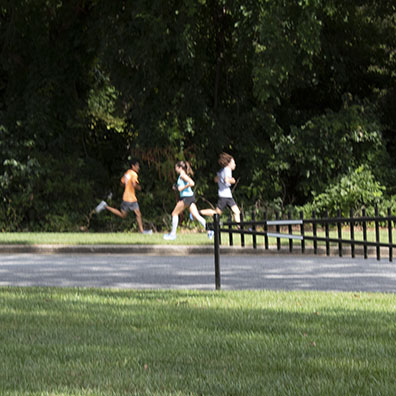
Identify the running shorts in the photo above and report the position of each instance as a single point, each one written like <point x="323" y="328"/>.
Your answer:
<point x="127" y="206"/>
<point x="223" y="202"/>
<point x="188" y="201"/>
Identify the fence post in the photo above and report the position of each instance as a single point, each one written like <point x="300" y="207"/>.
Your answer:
<point x="230" y="234"/>
<point x="339" y="228"/>
<point x="220" y="242"/>
<point x="314" y="229"/>
<point x="265" y="231"/>
<point x="290" y="233"/>
<point x="352" y="233"/>
<point x="302" y="232"/>
<point x="242" y="233"/>
<point x="216" y="224"/>
<point x="390" y="234"/>
<point x="254" y="229"/>
<point x="327" y="234"/>
<point x="377" y="234"/>
<point x="278" y="243"/>
<point x="364" y="233"/>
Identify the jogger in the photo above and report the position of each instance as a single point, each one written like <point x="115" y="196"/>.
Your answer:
<point x="187" y="199"/>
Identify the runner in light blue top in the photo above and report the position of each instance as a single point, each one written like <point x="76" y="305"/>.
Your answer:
<point x="184" y="187"/>
<point x="187" y="199"/>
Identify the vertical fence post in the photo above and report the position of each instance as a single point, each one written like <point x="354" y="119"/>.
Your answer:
<point x="352" y="233"/>
<point x="230" y="234"/>
<point x="364" y="233"/>
<point x="327" y="234"/>
<point x="377" y="234"/>
<point x="265" y="231"/>
<point x="254" y="229"/>
<point x="302" y="232"/>
<point x="278" y="243"/>
<point x="219" y="232"/>
<point x="314" y="229"/>
<point x="216" y="224"/>
<point x="242" y="232"/>
<point x="339" y="228"/>
<point x="390" y="234"/>
<point x="290" y="233"/>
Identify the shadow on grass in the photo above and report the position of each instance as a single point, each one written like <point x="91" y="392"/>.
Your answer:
<point x="16" y="242"/>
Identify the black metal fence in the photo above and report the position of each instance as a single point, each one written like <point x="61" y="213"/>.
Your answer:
<point x="303" y="230"/>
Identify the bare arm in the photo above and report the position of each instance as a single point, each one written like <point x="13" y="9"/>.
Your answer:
<point x="136" y="185"/>
<point x="188" y="180"/>
<point x="230" y="180"/>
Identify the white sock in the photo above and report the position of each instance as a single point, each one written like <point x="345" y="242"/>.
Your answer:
<point x="175" y="222"/>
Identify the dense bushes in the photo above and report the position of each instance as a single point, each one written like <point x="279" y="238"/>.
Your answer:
<point x="301" y="93"/>
<point x="354" y="191"/>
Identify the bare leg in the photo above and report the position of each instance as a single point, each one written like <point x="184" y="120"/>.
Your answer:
<point x="236" y="213"/>
<point x="178" y="208"/>
<point x="207" y="212"/>
<point x="175" y="217"/>
<point x="138" y="214"/>
<point x="117" y="212"/>
<point x="196" y="215"/>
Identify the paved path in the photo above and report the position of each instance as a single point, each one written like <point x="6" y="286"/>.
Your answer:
<point x="276" y="272"/>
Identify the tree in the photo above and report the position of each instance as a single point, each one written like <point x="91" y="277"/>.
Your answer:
<point x="45" y="67"/>
<point x="300" y="92"/>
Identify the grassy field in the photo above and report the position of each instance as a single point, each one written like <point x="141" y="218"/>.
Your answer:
<point x="62" y="342"/>
<point x="183" y="238"/>
<point x="83" y="238"/>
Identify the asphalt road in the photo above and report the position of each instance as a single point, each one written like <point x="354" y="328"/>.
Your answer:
<point x="125" y="271"/>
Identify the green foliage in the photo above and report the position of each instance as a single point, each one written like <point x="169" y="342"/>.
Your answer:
<point x="288" y="38"/>
<point x="328" y="145"/>
<point x="356" y="190"/>
<point x="299" y="92"/>
<point x="45" y="66"/>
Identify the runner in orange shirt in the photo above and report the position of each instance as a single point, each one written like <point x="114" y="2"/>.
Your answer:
<point x="129" y="201"/>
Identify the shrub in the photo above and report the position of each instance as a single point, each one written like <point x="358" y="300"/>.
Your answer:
<point x="356" y="190"/>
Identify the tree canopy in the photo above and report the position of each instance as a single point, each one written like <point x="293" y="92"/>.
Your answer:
<point x="301" y="93"/>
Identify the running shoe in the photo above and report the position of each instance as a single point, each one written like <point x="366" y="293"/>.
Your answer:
<point x="170" y="237"/>
<point x="100" y="207"/>
<point x="210" y="234"/>
<point x="147" y="232"/>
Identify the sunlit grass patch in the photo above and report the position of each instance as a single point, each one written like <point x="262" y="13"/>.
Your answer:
<point x="183" y="238"/>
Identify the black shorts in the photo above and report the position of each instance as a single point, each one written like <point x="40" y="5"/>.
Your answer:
<point x="223" y="202"/>
<point x="188" y="201"/>
<point x="129" y="206"/>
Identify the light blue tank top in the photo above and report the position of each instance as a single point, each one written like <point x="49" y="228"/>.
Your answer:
<point x="188" y="192"/>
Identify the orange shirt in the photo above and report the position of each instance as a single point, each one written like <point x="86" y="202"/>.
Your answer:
<point x="129" y="179"/>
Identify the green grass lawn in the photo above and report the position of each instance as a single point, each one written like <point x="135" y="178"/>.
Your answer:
<point x="87" y="238"/>
<point x="111" y="342"/>
<point x="183" y="238"/>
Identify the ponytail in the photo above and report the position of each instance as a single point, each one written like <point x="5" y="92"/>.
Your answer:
<point x="185" y="165"/>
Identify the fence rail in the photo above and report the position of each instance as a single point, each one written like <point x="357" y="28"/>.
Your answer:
<point x="257" y="228"/>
